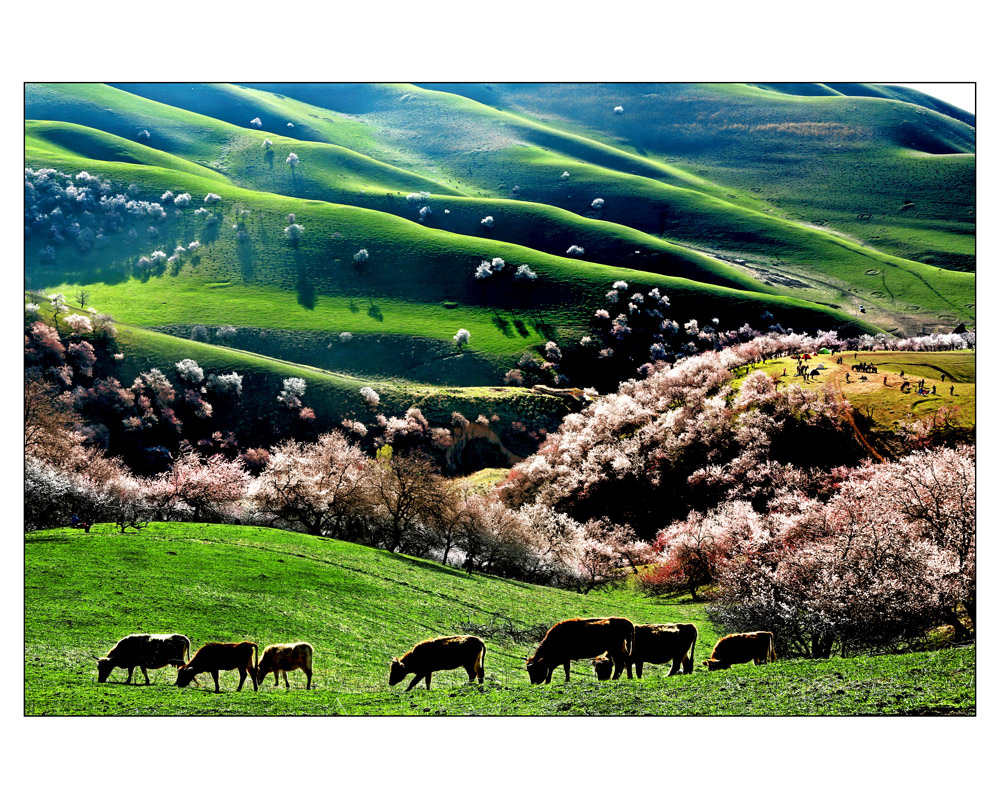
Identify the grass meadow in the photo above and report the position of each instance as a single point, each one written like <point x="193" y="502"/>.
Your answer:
<point x="360" y="607"/>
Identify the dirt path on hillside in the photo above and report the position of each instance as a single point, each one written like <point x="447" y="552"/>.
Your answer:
<point x="849" y="415"/>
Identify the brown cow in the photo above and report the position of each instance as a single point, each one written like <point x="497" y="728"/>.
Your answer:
<point x="742" y="648"/>
<point x="440" y="654"/>
<point x="577" y="639"/>
<point x="145" y="651"/>
<point x="656" y="643"/>
<point x="286" y="658"/>
<point x="215" y="657"/>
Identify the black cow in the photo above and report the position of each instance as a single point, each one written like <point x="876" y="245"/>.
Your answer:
<point x="145" y="651"/>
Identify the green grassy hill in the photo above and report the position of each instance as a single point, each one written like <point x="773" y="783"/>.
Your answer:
<point x="473" y="149"/>
<point x="886" y="165"/>
<point x="359" y="607"/>
<point x="686" y="209"/>
<point x="418" y="282"/>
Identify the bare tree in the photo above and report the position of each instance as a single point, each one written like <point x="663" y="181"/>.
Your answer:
<point x="406" y="488"/>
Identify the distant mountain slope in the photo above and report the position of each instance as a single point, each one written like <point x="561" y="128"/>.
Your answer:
<point x="794" y="258"/>
<point x="815" y="155"/>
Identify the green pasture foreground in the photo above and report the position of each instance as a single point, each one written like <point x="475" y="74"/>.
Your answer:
<point x="359" y="607"/>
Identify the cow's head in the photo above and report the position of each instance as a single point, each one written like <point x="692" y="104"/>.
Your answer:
<point x="397" y="671"/>
<point x="537" y="670"/>
<point x="715" y="665"/>
<point x="184" y="676"/>
<point x="603" y="667"/>
<point x="104" y="669"/>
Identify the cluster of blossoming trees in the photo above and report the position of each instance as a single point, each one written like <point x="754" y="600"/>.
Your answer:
<point x="757" y="492"/>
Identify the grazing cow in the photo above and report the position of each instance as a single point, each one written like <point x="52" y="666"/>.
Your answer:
<point x="286" y="658"/>
<point x="145" y="651"/>
<point x="440" y="654"/>
<point x="216" y="657"/>
<point x="742" y="648"/>
<point x="577" y="639"/>
<point x="656" y="643"/>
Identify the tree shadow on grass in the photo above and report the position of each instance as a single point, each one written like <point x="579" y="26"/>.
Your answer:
<point x="304" y="287"/>
<point x="522" y="328"/>
<point x="245" y="255"/>
<point x="451" y="571"/>
<point x="374" y="311"/>
<point x="502" y="325"/>
<point x="545" y="330"/>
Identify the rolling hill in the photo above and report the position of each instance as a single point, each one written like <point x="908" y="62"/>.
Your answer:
<point x="735" y="201"/>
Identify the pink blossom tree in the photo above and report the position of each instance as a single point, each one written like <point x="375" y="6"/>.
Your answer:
<point x="318" y="488"/>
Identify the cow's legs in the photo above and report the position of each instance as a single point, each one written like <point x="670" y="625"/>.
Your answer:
<point x="428" y="678"/>
<point x="471" y="671"/>
<point x="676" y="665"/>
<point x="275" y="678"/>
<point x="285" y="675"/>
<point x="638" y="669"/>
<point x="144" y="674"/>
<point x="215" y="676"/>
<point x="243" y="676"/>
<point x="129" y="680"/>
<point x="566" y="667"/>
<point x="309" y="678"/>
<point x="415" y="680"/>
<point x="619" y="668"/>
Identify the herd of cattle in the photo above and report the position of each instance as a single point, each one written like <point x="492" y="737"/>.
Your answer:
<point x="615" y="645"/>
<point x="146" y="651"/>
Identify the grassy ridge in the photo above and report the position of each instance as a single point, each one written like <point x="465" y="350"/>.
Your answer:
<point x="833" y="270"/>
<point x="334" y="396"/>
<point x="83" y="592"/>
<point x="267" y="282"/>
<point x="844" y="161"/>
<point x="334" y="174"/>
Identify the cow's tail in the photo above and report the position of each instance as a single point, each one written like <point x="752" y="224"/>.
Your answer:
<point x="630" y="642"/>
<point x="694" y="640"/>
<point x="254" y="657"/>
<point x="482" y="661"/>
<point x="772" y="654"/>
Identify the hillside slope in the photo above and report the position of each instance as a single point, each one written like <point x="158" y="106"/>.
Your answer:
<point x="654" y="216"/>
<point x="418" y="281"/>
<point x="360" y="607"/>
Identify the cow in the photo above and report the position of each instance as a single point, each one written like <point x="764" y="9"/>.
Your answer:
<point x="286" y="658"/>
<point x="742" y="648"/>
<point x="215" y="657"/>
<point x="145" y="651"/>
<point x="440" y="654"/>
<point x="577" y="639"/>
<point x="656" y="643"/>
